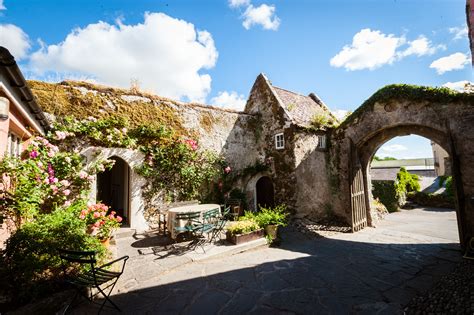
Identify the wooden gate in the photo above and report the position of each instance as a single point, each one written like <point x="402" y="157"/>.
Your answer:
<point x="356" y="183"/>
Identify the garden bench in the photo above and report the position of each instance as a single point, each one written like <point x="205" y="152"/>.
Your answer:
<point x="92" y="277"/>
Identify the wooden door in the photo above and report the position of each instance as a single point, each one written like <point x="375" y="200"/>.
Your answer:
<point x="357" y="191"/>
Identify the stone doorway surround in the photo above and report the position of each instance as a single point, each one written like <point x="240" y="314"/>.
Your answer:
<point x="133" y="158"/>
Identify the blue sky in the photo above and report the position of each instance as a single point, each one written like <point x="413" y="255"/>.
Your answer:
<point x="212" y="51"/>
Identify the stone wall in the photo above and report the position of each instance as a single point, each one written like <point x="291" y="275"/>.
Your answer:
<point x="439" y="115"/>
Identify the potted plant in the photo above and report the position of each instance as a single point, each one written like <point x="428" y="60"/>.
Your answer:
<point x="100" y="222"/>
<point x="243" y="231"/>
<point x="271" y="218"/>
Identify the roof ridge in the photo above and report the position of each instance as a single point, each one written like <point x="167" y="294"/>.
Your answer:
<point x="296" y="93"/>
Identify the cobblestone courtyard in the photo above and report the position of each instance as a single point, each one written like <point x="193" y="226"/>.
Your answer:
<point x="377" y="270"/>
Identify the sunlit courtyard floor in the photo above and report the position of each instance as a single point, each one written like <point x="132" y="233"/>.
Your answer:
<point x="376" y="270"/>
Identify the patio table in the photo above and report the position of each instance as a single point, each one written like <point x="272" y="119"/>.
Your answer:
<point x="185" y="209"/>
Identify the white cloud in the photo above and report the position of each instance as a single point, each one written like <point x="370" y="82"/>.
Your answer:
<point x="372" y="49"/>
<point x="394" y="147"/>
<point x="263" y="15"/>
<point x="15" y="40"/>
<point x="369" y="50"/>
<point x="458" y="86"/>
<point x="2" y="6"/>
<point x="452" y="62"/>
<point x="420" y="47"/>
<point x="166" y="55"/>
<point x="459" y="32"/>
<point x="230" y="100"/>
<point x="238" y="3"/>
<point x="340" y="113"/>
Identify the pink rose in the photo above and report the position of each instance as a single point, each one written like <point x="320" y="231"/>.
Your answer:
<point x="96" y="215"/>
<point x="66" y="192"/>
<point x="50" y="154"/>
<point x="227" y="170"/>
<point x="34" y="154"/>
<point x="83" y="175"/>
<point x="119" y="218"/>
<point x="82" y="217"/>
<point x="65" y="183"/>
<point x="55" y="180"/>
<point x="54" y="189"/>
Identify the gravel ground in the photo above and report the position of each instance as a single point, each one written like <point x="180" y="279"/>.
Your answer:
<point x="453" y="294"/>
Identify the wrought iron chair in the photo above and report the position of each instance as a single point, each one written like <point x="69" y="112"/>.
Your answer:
<point x="93" y="277"/>
<point x="219" y="226"/>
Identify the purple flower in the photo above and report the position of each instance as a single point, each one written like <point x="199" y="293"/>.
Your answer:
<point x="34" y="154"/>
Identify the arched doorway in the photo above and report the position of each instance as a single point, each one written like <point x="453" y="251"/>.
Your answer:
<point x="113" y="188"/>
<point x="363" y="152"/>
<point x="265" y="195"/>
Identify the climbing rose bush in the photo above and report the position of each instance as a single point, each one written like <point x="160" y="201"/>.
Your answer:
<point x="42" y="180"/>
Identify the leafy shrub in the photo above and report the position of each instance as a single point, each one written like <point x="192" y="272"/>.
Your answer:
<point x="323" y="121"/>
<point x="272" y="216"/>
<point x="406" y="182"/>
<point x="243" y="227"/>
<point x="431" y="200"/>
<point x="386" y="192"/>
<point x="31" y="258"/>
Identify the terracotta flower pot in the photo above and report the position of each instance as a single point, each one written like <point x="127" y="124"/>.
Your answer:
<point x="272" y="231"/>
<point x="105" y="242"/>
<point x="242" y="238"/>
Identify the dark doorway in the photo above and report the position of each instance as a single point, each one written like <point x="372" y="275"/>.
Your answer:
<point x="265" y="194"/>
<point x="113" y="188"/>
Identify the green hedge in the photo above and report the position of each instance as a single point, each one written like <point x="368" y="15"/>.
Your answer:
<point x="386" y="192"/>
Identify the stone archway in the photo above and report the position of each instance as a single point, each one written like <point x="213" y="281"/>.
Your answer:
<point x="444" y="118"/>
<point x="133" y="158"/>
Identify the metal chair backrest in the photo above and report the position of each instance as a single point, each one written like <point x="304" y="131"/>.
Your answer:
<point x="211" y="215"/>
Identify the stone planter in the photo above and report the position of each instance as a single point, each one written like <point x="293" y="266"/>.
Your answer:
<point x="242" y="238"/>
<point x="272" y="231"/>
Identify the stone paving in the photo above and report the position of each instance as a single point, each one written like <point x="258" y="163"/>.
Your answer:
<point x="377" y="270"/>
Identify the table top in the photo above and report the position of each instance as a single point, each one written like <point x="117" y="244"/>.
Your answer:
<point x="195" y="208"/>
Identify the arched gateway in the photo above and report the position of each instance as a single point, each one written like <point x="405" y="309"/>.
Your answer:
<point x="440" y="115"/>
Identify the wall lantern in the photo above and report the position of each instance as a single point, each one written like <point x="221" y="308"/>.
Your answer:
<point x="4" y="108"/>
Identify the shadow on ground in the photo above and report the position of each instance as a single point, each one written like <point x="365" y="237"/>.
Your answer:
<point x="302" y="276"/>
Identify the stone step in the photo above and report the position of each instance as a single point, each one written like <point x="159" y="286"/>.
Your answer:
<point x="124" y="232"/>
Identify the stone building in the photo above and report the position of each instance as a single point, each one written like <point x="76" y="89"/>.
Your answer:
<point x="313" y="166"/>
<point x="274" y="130"/>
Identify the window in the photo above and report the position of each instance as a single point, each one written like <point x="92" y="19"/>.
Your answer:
<point x="279" y="141"/>
<point x="322" y="142"/>
<point x="13" y="145"/>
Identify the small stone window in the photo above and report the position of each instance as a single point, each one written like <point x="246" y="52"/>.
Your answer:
<point x="13" y="145"/>
<point x="279" y="141"/>
<point x="322" y="142"/>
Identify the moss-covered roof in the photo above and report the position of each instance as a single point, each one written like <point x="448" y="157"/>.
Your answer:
<point x="415" y="93"/>
<point x="82" y="100"/>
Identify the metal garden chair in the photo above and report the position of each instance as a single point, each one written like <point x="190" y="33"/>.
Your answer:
<point x="220" y="224"/>
<point x="92" y="277"/>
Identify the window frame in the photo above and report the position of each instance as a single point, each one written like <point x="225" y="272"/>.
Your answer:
<point x="280" y="141"/>
<point x="322" y="142"/>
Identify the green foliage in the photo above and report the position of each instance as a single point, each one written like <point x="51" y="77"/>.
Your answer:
<point x="386" y="193"/>
<point x="409" y="92"/>
<point x="269" y="216"/>
<point x="31" y="258"/>
<point x="431" y="200"/>
<point x="387" y="158"/>
<point x="243" y="227"/>
<point x="43" y="180"/>
<point x="406" y="182"/>
<point x="449" y="187"/>
<point x="323" y="121"/>
<point x="173" y="164"/>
